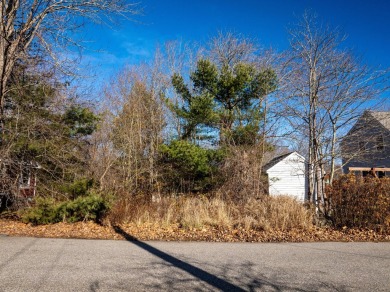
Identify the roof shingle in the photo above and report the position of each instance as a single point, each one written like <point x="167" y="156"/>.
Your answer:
<point x="382" y="117"/>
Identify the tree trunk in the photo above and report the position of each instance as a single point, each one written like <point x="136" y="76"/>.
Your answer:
<point x="332" y="154"/>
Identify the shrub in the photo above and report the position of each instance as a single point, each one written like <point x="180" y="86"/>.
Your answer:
<point x="241" y="174"/>
<point x="78" y="187"/>
<point x="92" y="207"/>
<point x="47" y="211"/>
<point x="189" y="167"/>
<point x="44" y="212"/>
<point x="360" y="202"/>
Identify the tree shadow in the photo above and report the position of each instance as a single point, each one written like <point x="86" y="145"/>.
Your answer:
<point x="19" y="253"/>
<point x="249" y="277"/>
<point x="190" y="269"/>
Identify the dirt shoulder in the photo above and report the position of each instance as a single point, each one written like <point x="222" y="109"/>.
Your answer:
<point x="90" y="230"/>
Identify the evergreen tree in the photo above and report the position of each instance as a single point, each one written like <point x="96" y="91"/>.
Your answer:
<point x="44" y="130"/>
<point x="226" y="99"/>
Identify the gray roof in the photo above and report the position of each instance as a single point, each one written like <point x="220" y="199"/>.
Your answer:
<point x="275" y="160"/>
<point x="382" y="117"/>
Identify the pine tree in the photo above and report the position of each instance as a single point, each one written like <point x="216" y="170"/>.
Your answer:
<point x="225" y="99"/>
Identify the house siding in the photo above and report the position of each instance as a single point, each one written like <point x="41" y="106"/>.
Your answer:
<point x="288" y="177"/>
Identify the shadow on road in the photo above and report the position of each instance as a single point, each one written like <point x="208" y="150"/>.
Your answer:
<point x="19" y="253"/>
<point x="194" y="271"/>
<point x="247" y="275"/>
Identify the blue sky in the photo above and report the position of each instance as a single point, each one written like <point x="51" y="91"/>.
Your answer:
<point x="365" y="22"/>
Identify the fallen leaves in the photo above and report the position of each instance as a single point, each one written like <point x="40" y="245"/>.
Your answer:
<point x="92" y="230"/>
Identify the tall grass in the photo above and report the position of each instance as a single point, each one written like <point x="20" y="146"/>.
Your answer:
<point x="281" y="213"/>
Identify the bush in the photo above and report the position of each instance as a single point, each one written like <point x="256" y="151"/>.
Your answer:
<point x="189" y="167"/>
<point x="241" y="174"/>
<point x="360" y="202"/>
<point x="47" y="211"/>
<point x="44" y="212"/>
<point x="78" y="187"/>
<point x="92" y="207"/>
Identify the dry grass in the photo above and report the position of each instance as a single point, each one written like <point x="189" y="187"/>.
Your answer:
<point x="280" y="213"/>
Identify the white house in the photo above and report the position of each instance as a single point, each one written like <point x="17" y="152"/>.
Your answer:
<point x="287" y="175"/>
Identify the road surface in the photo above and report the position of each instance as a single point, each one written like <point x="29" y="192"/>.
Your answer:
<point x="37" y="264"/>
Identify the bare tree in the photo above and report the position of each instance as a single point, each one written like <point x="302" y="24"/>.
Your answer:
<point x="229" y="49"/>
<point x="325" y="89"/>
<point x="28" y="24"/>
<point x="125" y="147"/>
<point x="179" y="57"/>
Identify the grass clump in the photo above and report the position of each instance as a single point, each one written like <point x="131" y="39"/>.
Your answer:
<point x="279" y="212"/>
<point x="196" y="212"/>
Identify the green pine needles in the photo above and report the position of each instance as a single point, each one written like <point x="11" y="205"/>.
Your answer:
<point x="223" y="99"/>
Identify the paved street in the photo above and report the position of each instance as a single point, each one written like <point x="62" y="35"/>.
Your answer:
<point x="35" y="264"/>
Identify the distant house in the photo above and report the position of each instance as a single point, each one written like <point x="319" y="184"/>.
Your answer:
<point x="287" y="175"/>
<point x="366" y="147"/>
<point x="26" y="179"/>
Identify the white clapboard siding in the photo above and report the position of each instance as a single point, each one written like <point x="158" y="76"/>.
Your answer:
<point x="288" y="177"/>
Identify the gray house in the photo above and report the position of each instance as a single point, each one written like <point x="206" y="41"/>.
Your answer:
<point x="366" y="147"/>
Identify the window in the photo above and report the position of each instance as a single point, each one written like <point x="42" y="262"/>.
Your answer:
<point x="24" y="179"/>
<point x="379" y="143"/>
<point x="362" y="146"/>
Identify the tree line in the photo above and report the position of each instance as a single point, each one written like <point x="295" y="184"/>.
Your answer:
<point x="194" y="120"/>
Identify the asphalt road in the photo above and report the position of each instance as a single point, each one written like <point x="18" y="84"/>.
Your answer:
<point x="36" y="264"/>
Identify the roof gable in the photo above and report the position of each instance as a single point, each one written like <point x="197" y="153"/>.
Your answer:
<point x="371" y="118"/>
<point x="280" y="158"/>
<point x="383" y="118"/>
